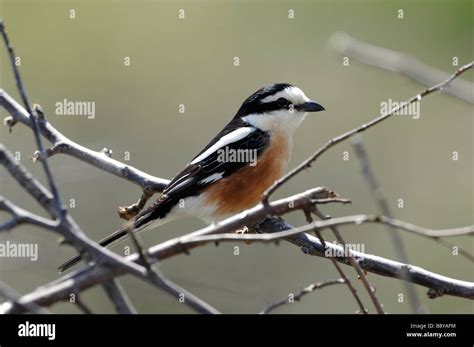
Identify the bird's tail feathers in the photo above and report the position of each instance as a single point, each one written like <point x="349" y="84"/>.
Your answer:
<point x="145" y="222"/>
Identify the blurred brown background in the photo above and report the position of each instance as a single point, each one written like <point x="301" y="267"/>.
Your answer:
<point x="191" y="62"/>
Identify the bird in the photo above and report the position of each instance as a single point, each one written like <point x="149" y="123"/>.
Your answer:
<point x="238" y="165"/>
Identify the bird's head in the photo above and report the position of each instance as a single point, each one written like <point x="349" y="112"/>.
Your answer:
<point x="279" y="105"/>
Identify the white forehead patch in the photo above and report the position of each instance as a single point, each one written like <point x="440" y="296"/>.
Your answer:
<point x="293" y="94"/>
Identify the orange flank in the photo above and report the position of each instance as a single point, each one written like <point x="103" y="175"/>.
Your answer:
<point x="246" y="186"/>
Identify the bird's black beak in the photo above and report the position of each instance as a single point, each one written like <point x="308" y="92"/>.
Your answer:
<point x="310" y="106"/>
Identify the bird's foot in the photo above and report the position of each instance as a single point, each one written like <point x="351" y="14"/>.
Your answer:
<point x="243" y="231"/>
<point x="128" y="212"/>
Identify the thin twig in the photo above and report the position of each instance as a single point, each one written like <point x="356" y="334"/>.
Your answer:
<point x="460" y="250"/>
<point x="21" y="216"/>
<point x="111" y="265"/>
<point x="379" y="197"/>
<point x="394" y="61"/>
<point x="12" y="296"/>
<point x="159" y="279"/>
<point x="119" y="297"/>
<point x="82" y="306"/>
<point x="338" y="139"/>
<point x="33" y="116"/>
<point x="220" y="233"/>
<point x="71" y="231"/>
<point x="145" y="259"/>
<point x="299" y="201"/>
<point x="297" y="297"/>
<point x="363" y="309"/>
<point x="437" y="284"/>
<point x="66" y="227"/>
<point x="30" y="184"/>
<point x="62" y="144"/>
<point x="370" y="263"/>
<point x="354" y="263"/>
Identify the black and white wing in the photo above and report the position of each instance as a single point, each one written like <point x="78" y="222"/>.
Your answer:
<point x="206" y="168"/>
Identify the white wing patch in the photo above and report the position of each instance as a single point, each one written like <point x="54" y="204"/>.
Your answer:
<point x="212" y="178"/>
<point x="232" y="137"/>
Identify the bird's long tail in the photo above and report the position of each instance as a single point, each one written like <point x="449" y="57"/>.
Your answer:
<point x="115" y="236"/>
<point x="154" y="216"/>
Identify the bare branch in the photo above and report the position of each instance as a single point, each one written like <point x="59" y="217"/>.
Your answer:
<point x="297" y="297"/>
<point x="21" y="216"/>
<point x="73" y="234"/>
<point x="82" y="306"/>
<point x="156" y="277"/>
<point x="374" y="264"/>
<point x="30" y="184"/>
<point x="379" y="196"/>
<point x="11" y="295"/>
<point x="347" y="281"/>
<point x="67" y="226"/>
<point x="309" y="161"/>
<point x="62" y="144"/>
<point x="85" y="278"/>
<point x="220" y="234"/>
<point x="186" y="297"/>
<point x="461" y="251"/>
<point x="390" y="60"/>
<point x="33" y="115"/>
<point x="354" y="263"/>
<point x="104" y="266"/>
<point x="119" y="298"/>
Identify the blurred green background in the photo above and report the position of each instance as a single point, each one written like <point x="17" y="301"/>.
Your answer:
<point x="190" y="62"/>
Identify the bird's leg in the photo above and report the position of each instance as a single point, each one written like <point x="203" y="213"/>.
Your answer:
<point x="128" y="212"/>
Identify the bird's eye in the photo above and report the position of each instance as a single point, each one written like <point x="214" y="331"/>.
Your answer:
<point x="282" y="102"/>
